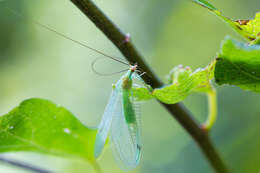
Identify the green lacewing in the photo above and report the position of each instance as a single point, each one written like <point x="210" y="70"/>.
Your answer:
<point x="121" y="122"/>
<point x="121" y="118"/>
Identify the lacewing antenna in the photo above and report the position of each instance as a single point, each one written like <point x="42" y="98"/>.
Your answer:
<point x="104" y="74"/>
<point x="66" y="37"/>
<point x="122" y="61"/>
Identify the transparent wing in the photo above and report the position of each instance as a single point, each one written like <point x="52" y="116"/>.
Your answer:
<point x="137" y="108"/>
<point x="125" y="138"/>
<point x="138" y="80"/>
<point x="105" y="124"/>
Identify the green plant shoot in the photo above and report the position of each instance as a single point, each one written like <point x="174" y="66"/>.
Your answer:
<point x="121" y="122"/>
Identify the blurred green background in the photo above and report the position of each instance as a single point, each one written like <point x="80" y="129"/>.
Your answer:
<point x="37" y="63"/>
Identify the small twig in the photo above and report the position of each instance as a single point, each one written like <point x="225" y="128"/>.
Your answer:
<point x="23" y="165"/>
<point x="212" y="116"/>
<point x="178" y="111"/>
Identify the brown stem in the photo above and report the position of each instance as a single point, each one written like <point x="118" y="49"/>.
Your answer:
<point x="178" y="111"/>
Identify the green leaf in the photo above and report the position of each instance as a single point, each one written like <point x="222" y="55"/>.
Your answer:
<point x="185" y="82"/>
<point x="142" y="93"/>
<point x="239" y="64"/>
<point x="205" y="4"/>
<point x="251" y="26"/>
<point x="38" y="125"/>
<point x="249" y="29"/>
